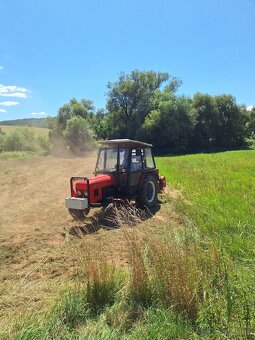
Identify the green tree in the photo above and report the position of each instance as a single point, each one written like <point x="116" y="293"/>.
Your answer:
<point x="251" y="121"/>
<point x="99" y="124"/>
<point x="251" y="128"/>
<point x="129" y="100"/>
<point x="207" y="124"/>
<point x="232" y="121"/>
<point x="220" y="123"/>
<point x="78" y="135"/>
<point x="169" y="125"/>
<point x="84" y="109"/>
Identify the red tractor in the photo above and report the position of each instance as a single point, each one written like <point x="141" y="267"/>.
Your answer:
<point x="125" y="170"/>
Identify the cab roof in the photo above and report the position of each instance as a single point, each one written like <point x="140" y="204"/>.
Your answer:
<point x="125" y="143"/>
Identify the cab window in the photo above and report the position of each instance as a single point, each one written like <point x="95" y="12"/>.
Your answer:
<point x="148" y="159"/>
<point x="124" y="158"/>
<point x="107" y="160"/>
<point x="136" y="160"/>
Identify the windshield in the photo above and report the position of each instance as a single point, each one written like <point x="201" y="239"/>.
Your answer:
<point x="107" y="160"/>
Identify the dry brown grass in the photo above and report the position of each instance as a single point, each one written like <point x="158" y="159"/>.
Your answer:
<point x="124" y="214"/>
<point x="34" y="225"/>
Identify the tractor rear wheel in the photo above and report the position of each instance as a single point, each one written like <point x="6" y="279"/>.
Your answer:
<point x="149" y="191"/>
<point x="79" y="214"/>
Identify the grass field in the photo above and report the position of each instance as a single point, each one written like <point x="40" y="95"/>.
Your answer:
<point x="186" y="272"/>
<point x="37" y="131"/>
<point x="221" y="190"/>
<point x="20" y="142"/>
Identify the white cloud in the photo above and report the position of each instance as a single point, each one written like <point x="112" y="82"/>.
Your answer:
<point x="15" y="94"/>
<point x="13" y="91"/>
<point x="9" y="103"/>
<point x="1" y="67"/>
<point x="3" y="110"/>
<point x="39" y="113"/>
<point x="249" y="108"/>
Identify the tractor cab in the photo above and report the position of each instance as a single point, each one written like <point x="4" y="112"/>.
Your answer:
<point x="125" y="169"/>
<point x="128" y="161"/>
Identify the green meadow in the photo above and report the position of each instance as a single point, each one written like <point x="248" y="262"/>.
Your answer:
<point x="219" y="192"/>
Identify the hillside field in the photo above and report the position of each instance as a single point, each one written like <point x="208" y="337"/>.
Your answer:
<point x="187" y="271"/>
<point x="37" y="131"/>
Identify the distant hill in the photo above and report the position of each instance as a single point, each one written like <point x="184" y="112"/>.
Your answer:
<point x="36" y="122"/>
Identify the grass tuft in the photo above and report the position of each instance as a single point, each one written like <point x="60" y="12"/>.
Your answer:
<point x="101" y="286"/>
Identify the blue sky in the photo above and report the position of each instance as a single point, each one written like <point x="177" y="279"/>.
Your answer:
<point x="52" y="50"/>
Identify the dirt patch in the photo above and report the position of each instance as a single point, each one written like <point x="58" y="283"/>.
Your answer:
<point x="159" y="218"/>
<point x="56" y="239"/>
<point x="19" y="239"/>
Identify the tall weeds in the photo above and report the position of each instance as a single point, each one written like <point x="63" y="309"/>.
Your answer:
<point x="194" y="280"/>
<point x="168" y="273"/>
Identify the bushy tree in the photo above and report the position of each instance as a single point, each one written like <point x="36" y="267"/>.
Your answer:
<point x="251" y="128"/>
<point x="207" y="124"/>
<point x="220" y="123"/>
<point x="251" y="122"/>
<point x="84" y="109"/>
<point x="232" y="121"/>
<point x="129" y="100"/>
<point x="78" y="135"/>
<point x="98" y="124"/>
<point x="63" y="127"/>
<point x="169" y="125"/>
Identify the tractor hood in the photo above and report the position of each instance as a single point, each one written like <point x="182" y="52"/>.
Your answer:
<point x="95" y="187"/>
<point x="105" y="180"/>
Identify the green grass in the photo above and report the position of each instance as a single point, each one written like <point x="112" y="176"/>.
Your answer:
<point x="219" y="190"/>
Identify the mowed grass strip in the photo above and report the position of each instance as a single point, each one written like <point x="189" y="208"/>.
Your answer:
<point x="220" y="196"/>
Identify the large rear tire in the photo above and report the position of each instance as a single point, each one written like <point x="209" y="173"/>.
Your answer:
<point x="149" y="191"/>
<point x="79" y="214"/>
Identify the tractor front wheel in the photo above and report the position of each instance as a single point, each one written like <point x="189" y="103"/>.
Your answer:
<point x="149" y="192"/>
<point x="79" y="214"/>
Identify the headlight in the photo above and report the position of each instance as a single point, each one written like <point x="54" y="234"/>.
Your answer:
<point x="81" y="193"/>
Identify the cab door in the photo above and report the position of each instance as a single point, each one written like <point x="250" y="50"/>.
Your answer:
<point x="136" y="170"/>
<point x="123" y="169"/>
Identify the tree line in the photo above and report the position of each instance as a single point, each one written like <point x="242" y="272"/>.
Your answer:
<point x="145" y="106"/>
